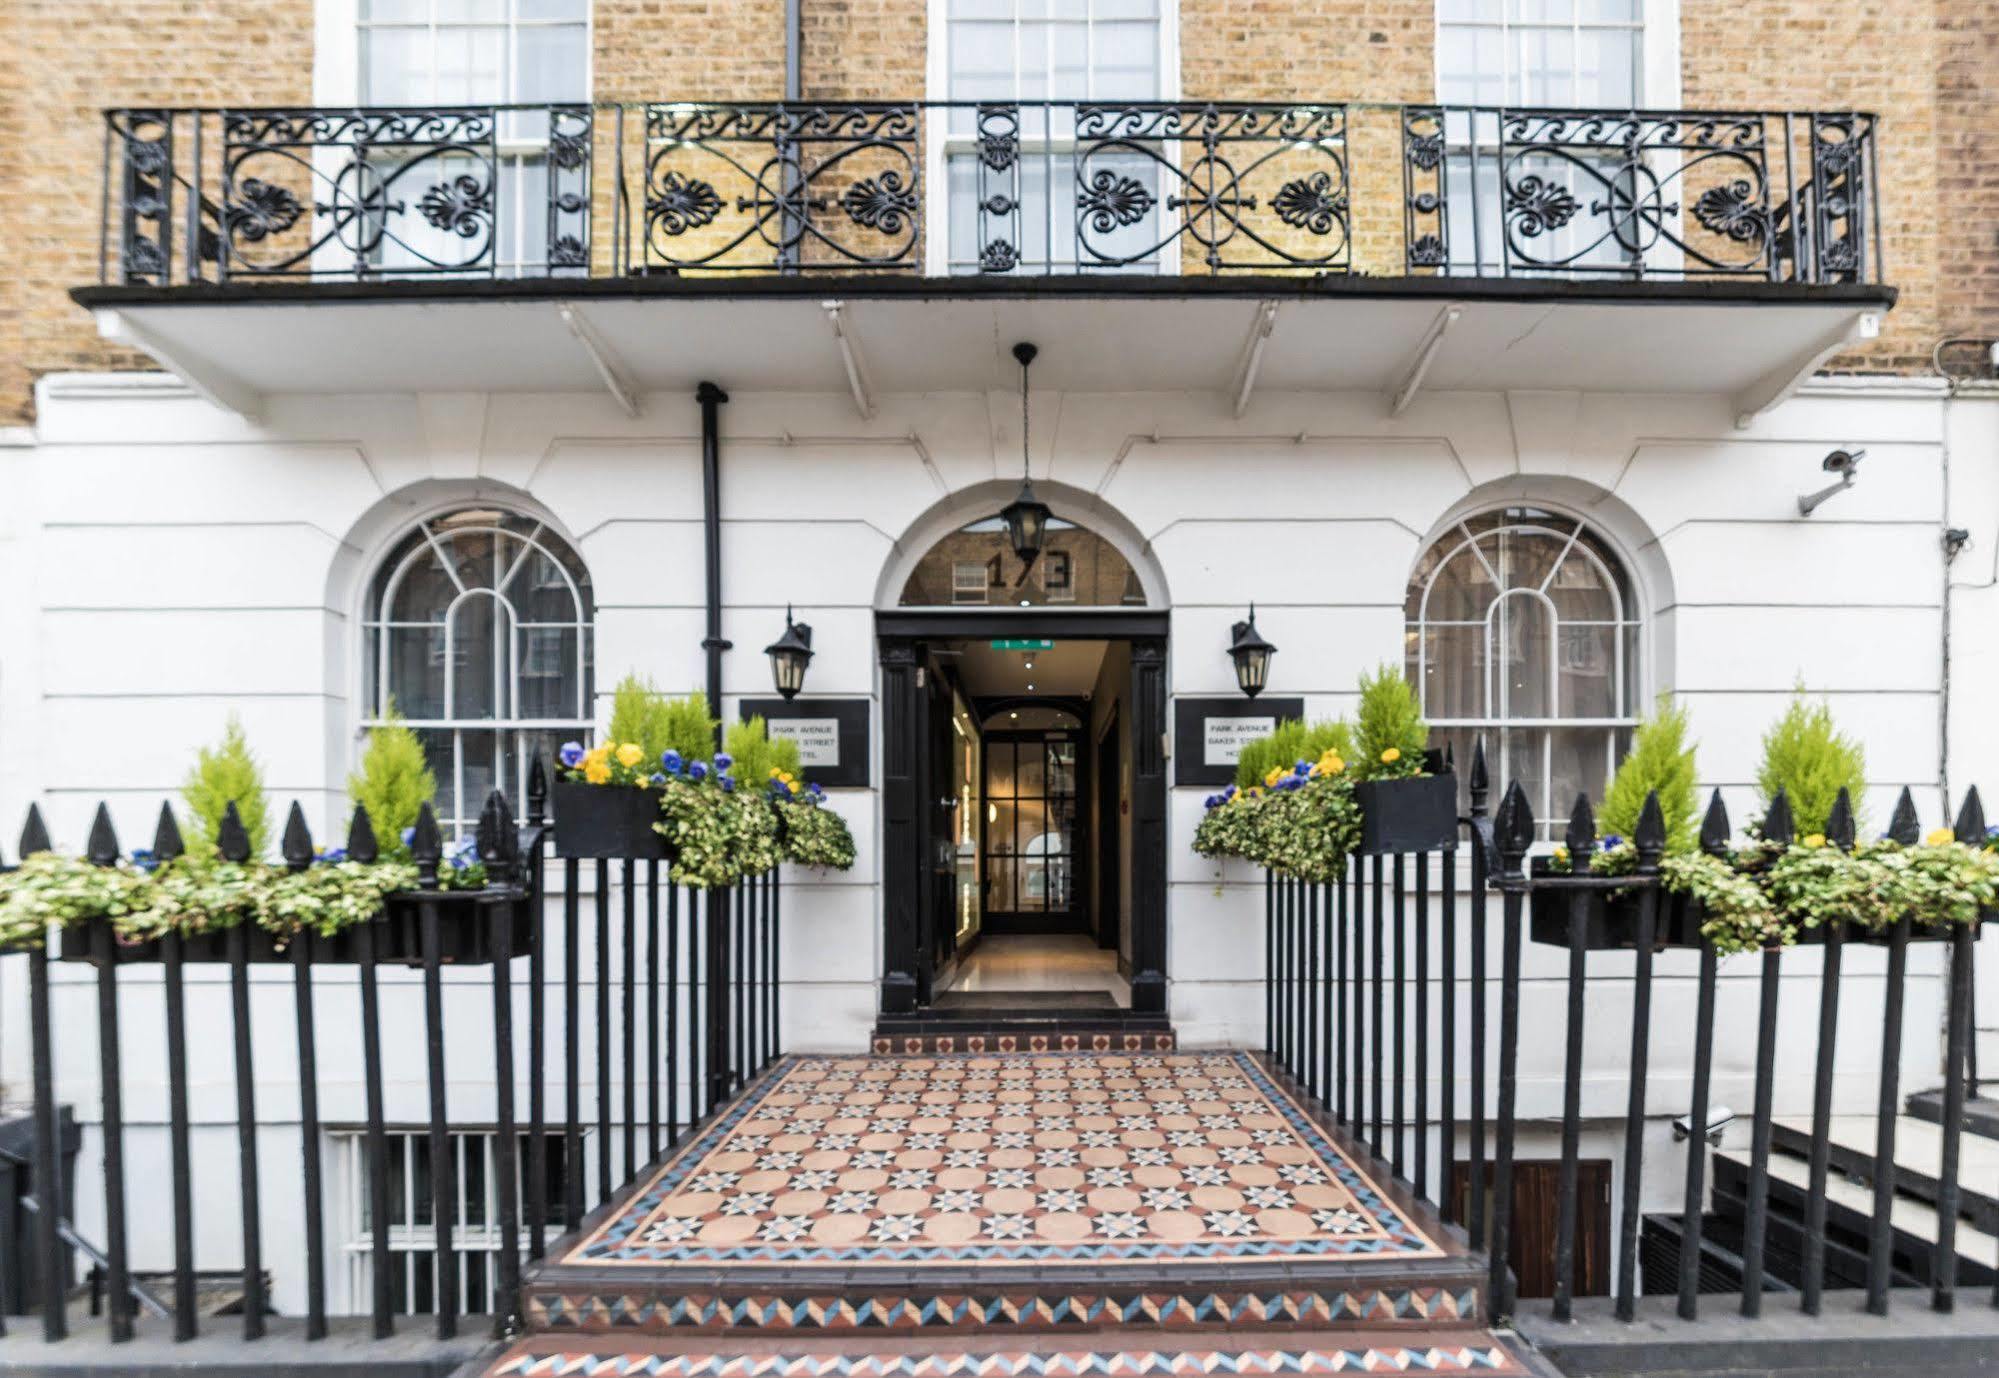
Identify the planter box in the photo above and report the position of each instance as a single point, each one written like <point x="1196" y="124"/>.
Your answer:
<point x="1611" y="920"/>
<point x="609" y="821"/>
<point x="464" y="936"/>
<point x="1419" y="814"/>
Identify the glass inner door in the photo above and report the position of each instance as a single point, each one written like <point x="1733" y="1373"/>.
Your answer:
<point x="1030" y="829"/>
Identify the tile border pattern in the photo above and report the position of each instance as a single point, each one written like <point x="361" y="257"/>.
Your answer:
<point x="1460" y="1354"/>
<point x="1299" y="1308"/>
<point x="1080" y="1041"/>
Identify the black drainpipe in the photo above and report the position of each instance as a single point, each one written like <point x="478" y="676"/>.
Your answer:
<point x="711" y="399"/>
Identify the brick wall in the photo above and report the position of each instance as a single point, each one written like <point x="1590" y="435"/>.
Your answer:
<point x="76" y="57"/>
<point x="1967" y="170"/>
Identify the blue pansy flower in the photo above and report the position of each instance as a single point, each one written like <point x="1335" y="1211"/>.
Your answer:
<point x="1612" y="840"/>
<point x="144" y="859"/>
<point x="815" y="791"/>
<point x="728" y="783"/>
<point x="697" y="771"/>
<point x="409" y="837"/>
<point x="1302" y="768"/>
<point x="658" y="779"/>
<point x="571" y="753"/>
<point x="723" y="760"/>
<point x="331" y="856"/>
<point x="670" y="759"/>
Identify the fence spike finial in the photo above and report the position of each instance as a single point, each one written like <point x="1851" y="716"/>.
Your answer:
<point x="537" y="791"/>
<point x="1970" y="828"/>
<point x="1513" y="827"/>
<point x="492" y="823"/>
<point x="1839" y="826"/>
<point x="102" y="849"/>
<point x="1715" y="827"/>
<point x="1650" y="834"/>
<point x="1778" y="826"/>
<point x="361" y="843"/>
<point x="167" y="843"/>
<point x="232" y="840"/>
<point x="426" y="848"/>
<point x="35" y="834"/>
<point x="296" y="846"/>
<point x="1480" y="783"/>
<point x="1581" y="838"/>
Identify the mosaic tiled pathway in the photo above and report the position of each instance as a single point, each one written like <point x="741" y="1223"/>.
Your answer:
<point x="1017" y="1215"/>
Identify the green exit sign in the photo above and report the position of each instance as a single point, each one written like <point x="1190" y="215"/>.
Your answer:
<point x="1014" y="644"/>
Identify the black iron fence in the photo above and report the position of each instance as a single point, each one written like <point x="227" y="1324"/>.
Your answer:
<point x="1353" y="968"/>
<point x="1027" y="188"/>
<point x="640" y="1003"/>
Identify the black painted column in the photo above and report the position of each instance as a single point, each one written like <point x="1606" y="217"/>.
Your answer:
<point x="1148" y="826"/>
<point x="711" y="399"/>
<point x="902" y="798"/>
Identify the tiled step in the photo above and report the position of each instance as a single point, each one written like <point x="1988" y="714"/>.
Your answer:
<point x="1071" y="1193"/>
<point x="1045" y="1356"/>
<point x="1024" y="1031"/>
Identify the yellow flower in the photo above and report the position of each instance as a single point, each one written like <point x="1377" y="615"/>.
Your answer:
<point x="596" y="772"/>
<point x="1391" y="756"/>
<point x="1940" y="837"/>
<point x="1331" y="764"/>
<point x="1815" y="840"/>
<point x="791" y="785"/>
<point x="777" y="772"/>
<point x="1273" y="775"/>
<point x="596" y="753"/>
<point x="630" y="754"/>
<point x="1561" y="854"/>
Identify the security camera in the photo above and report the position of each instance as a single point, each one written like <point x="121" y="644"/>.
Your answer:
<point x="1846" y="464"/>
<point x="1719" y="1118"/>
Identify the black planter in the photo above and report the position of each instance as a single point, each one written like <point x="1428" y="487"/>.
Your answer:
<point x="1419" y="814"/>
<point x="1611" y="917"/>
<point x="95" y="943"/>
<point x="465" y="936"/>
<point x="613" y="821"/>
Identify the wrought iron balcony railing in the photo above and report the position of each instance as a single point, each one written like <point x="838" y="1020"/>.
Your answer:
<point x="566" y="191"/>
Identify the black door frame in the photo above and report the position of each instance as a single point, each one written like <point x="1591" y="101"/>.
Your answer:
<point x="901" y="638"/>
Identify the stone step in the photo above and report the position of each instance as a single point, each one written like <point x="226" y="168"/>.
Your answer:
<point x="1918" y="1159"/>
<point x="1437" y="1350"/>
<point x="1064" y="1192"/>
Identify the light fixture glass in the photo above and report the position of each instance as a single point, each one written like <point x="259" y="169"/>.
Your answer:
<point x="789" y="655"/>
<point x="1026" y="517"/>
<point x="1251" y="654"/>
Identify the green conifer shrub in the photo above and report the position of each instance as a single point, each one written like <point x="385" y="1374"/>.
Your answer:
<point x="1660" y="759"/>
<point x="1811" y="760"/>
<point x="1389" y="732"/>
<point x="224" y="774"/>
<point x="394" y="782"/>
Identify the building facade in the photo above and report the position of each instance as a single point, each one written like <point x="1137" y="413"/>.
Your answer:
<point x="356" y="356"/>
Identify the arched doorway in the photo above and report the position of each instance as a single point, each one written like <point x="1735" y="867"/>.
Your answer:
<point x="1024" y="773"/>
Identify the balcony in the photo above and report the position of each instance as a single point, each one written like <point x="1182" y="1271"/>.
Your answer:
<point x="1409" y="246"/>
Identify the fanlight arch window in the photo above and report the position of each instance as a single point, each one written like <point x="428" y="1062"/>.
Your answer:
<point x="1523" y="627"/>
<point x="975" y="566"/>
<point x="478" y="632"/>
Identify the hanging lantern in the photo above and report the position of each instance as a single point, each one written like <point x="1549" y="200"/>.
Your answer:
<point x="1026" y="517"/>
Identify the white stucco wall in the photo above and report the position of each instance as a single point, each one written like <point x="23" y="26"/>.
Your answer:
<point x="163" y="563"/>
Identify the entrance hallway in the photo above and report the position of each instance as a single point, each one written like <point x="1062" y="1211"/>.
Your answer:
<point x="1021" y="970"/>
<point x="1011" y="1215"/>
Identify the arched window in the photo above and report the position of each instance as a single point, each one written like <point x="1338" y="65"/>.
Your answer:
<point x="478" y="629"/>
<point x="975" y="566"/>
<point x="1523" y="627"/>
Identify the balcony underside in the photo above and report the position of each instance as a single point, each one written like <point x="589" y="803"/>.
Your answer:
<point x="1751" y="342"/>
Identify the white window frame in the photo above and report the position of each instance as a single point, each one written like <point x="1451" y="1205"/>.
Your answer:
<point x="961" y="586"/>
<point x="339" y="35"/>
<point x="1658" y="88"/>
<point x="373" y="688"/>
<point x="408" y="1238"/>
<point x="938" y="145"/>
<point x="1631" y="623"/>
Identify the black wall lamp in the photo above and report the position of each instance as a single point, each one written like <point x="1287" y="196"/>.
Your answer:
<point x="1251" y="654"/>
<point x="789" y="655"/>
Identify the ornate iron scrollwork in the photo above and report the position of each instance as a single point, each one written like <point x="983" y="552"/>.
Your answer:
<point x="1838" y="195"/>
<point x="750" y="186"/>
<point x="996" y="137"/>
<point x="145" y="199"/>
<point x="1254" y="186"/>
<point x="374" y="179"/>
<point x="1425" y="186"/>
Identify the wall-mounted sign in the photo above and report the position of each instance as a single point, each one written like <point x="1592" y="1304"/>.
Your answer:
<point x="832" y="735"/>
<point x="1209" y="734"/>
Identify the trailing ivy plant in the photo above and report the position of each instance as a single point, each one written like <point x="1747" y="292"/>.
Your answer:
<point x="1390" y="735"/>
<point x="1807" y="757"/>
<point x="224" y="774"/>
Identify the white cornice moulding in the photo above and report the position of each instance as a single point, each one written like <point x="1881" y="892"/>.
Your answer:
<point x="74" y="387"/>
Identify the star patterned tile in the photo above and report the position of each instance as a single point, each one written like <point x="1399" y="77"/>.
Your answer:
<point x="1008" y="1159"/>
